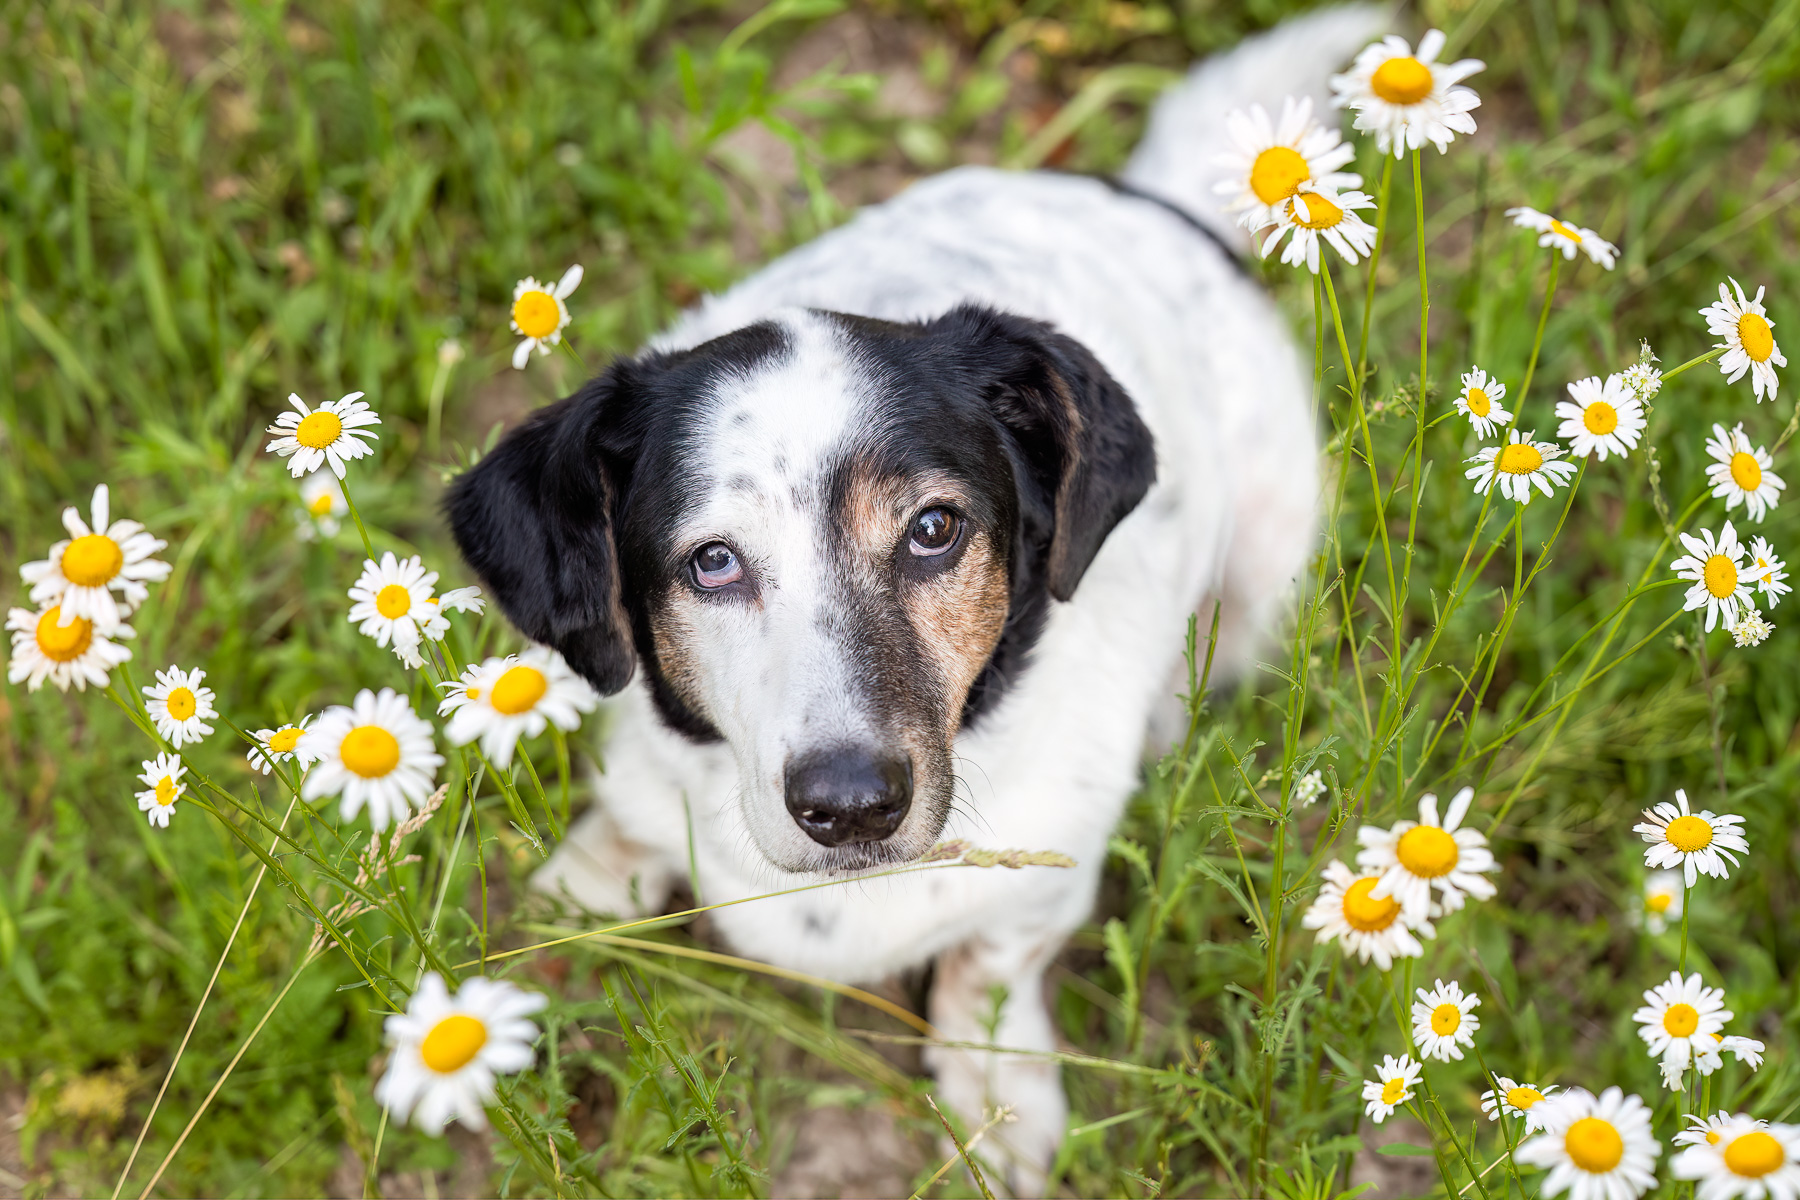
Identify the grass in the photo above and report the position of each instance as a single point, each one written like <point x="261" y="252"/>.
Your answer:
<point x="204" y="209"/>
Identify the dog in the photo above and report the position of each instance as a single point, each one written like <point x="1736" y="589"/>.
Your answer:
<point x="896" y="541"/>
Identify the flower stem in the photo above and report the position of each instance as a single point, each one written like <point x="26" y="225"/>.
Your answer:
<point x="368" y="546"/>
<point x="1537" y="343"/>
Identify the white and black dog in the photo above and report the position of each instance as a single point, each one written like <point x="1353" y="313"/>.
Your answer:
<point x="904" y="533"/>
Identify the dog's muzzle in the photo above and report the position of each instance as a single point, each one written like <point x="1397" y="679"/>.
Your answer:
<point x="848" y="795"/>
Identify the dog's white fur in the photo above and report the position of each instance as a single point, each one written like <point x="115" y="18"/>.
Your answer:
<point x="1213" y="371"/>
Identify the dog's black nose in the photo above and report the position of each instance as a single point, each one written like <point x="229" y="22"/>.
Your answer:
<point x="846" y="796"/>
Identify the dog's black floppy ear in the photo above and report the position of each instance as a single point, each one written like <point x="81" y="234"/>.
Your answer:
<point x="1090" y="456"/>
<point x="535" y="521"/>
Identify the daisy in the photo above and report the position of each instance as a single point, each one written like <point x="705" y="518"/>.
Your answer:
<point x="281" y="744"/>
<point x="1749" y="1158"/>
<point x="1740" y="473"/>
<point x="1308" y="788"/>
<point x="1748" y="1051"/>
<point x="1480" y="400"/>
<point x="393" y="601"/>
<point x="1408" y="99"/>
<point x="1642" y="379"/>
<point x="1367" y="927"/>
<point x="434" y="625"/>
<point x="1749" y="343"/>
<point x="1518" y="1100"/>
<point x="1444" y="1021"/>
<point x="1518" y="465"/>
<point x="1313" y="215"/>
<point x="448" y="1049"/>
<point x="1596" y="1147"/>
<point x="1714" y="567"/>
<point x="1414" y="857"/>
<point x="1769" y="570"/>
<point x="93" y="562"/>
<point x="1269" y="161"/>
<point x="1678" y="1019"/>
<point x="1392" y="1086"/>
<point x="1567" y="238"/>
<point x="504" y="699"/>
<point x="77" y="653"/>
<point x="331" y="433"/>
<point x="1697" y="845"/>
<point x="322" y="505"/>
<point x="180" y="706"/>
<point x="1707" y="1131"/>
<point x="163" y="787"/>
<point x="1752" y="630"/>
<point x="539" y="314"/>
<point x="1604" y="417"/>
<point x="375" y="752"/>
<point x="1663" y="899"/>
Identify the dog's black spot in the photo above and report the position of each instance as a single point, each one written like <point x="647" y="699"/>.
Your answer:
<point x="742" y="483"/>
<point x="742" y="416"/>
<point x="818" y="925"/>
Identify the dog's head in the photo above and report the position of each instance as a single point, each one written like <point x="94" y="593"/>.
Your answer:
<point x="830" y="541"/>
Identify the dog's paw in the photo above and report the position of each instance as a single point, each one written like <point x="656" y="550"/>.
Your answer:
<point x="1015" y="1108"/>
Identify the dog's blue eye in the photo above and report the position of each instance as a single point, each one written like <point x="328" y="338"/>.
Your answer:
<point x="716" y="564"/>
<point x="934" y="531"/>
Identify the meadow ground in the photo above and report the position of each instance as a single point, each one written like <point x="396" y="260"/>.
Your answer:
<point x="206" y="207"/>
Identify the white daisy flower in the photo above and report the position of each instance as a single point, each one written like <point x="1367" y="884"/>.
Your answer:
<point x="1517" y="1100"/>
<point x="1480" y="400"/>
<point x="1408" y="99"/>
<point x="1311" y="215"/>
<point x="1678" y="1019"/>
<point x="1769" y="571"/>
<point x="448" y="1049"/>
<point x="1596" y="1147"/>
<point x="1663" y="899"/>
<point x="1749" y="1159"/>
<point x="1269" y="161"/>
<point x="1414" y="857"/>
<point x="180" y="706"/>
<point x="1365" y="926"/>
<point x="85" y="569"/>
<point x="1697" y="845"/>
<point x="331" y="433"/>
<point x="434" y="625"/>
<point x="1708" y="1059"/>
<point x="1444" y="1020"/>
<point x="1748" y="1051"/>
<point x="1740" y="472"/>
<point x="375" y="752"/>
<point x="74" y="654"/>
<point x="278" y="745"/>
<point x="505" y="699"/>
<point x="1603" y="418"/>
<point x="1716" y="569"/>
<point x="1518" y="465"/>
<point x="1308" y="788"/>
<point x="539" y="314"/>
<point x="163" y="787"/>
<point x="322" y="504"/>
<point x="1707" y="1131"/>
<point x="1751" y="631"/>
<point x="1392" y="1086"/>
<point x="1567" y="238"/>
<point x="393" y="600"/>
<point x="1749" y="343"/>
<point x="1642" y="379"/>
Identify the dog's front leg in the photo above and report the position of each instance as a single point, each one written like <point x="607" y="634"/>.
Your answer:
<point x="990" y="989"/>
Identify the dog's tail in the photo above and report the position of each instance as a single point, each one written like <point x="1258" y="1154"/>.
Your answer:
<point x="1177" y="160"/>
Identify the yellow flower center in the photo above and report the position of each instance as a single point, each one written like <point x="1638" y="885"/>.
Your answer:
<point x="1518" y="458"/>
<point x="1427" y="851"/>
<point x="1688" y="834"/>
<point x="1746" y="472"/>
<point x="1720" y="576"/>
<point x="1754" y="1155"/>
<point x="1755" y="336"/>
<point x="536" y="314"/>
<point x="453" y="1043"/>
<point x="1366" y="913"/>
<point x="518" y="690"/>
<point x="1320" y="212"/>
<point x="1275" y="174"/>
<point x="1446" y="1019"/>
<point x="165" y="791"/>
<point x="63" y="643"/>
<point x="1394" y="1090"/>
<point x="181" y="704"/>
<point x="1478" y="402"/>
<point x="1558" y="227"/>
<point x="1712" y="1137"/>
<point x="1401" y="81"/>
<point x="472" y="693"/>
<point x="319" y="430"/>
<point x="1681" y="1020"/>
<point x="1600" y="418"/>
<point x="283" y="741"/>
<point x="1594" y="1145"/>
<point x="393" y="601"/>
<point x="1523" y="1098"/>
<point x="92" y="561"/>
<point x="1659" y="903"/>
<point x="370" y="751"/>
<point x="321" y="507"/>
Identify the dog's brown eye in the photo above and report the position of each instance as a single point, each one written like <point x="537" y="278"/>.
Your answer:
<point x="716" y="564"/>
<point x="934" y="531"/>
